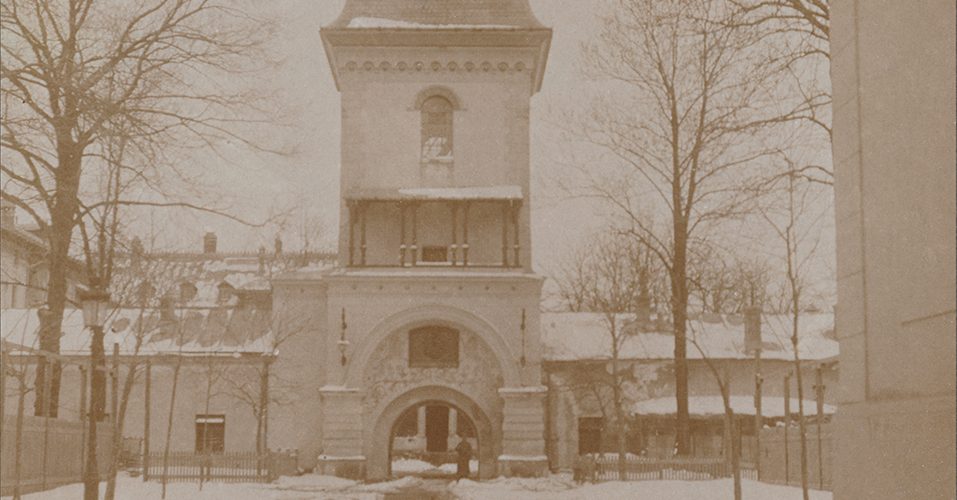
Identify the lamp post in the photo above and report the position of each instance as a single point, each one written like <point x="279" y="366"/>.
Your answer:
<point x="96" y="303"/>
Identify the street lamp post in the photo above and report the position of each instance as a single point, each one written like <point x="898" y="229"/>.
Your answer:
<point x="95" y="302"/>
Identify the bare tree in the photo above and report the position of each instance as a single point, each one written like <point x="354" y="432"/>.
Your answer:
<point x="611" y="278"/>
<point x="798" y="32"/>
<point x="72" y="72"/>
<point x="797" y="227"/>
<point x="732" y="449"/>
<point x="726" y="284"/>
<point x="687" y="121"/>
<point x="260" y="388"/>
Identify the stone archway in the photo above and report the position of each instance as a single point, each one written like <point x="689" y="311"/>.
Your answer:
<point x="378" y="450"/>
<point x="433" y="314"/>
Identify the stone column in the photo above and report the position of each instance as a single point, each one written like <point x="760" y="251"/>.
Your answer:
<point x="420" y="421"/>
<point x="420" y="429"/>
<point x="453" y="439"/>
<point x="342" y="444"/>
<point x="523" y="431"/>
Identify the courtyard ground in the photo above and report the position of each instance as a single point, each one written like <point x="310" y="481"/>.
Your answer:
<point x="555" y="487"/>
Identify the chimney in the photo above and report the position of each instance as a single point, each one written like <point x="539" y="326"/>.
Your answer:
<point x="8" y="214"/>
<point x="167" y="309"/>
<point x="278" y="245"/>
<point x="136" y="253"/>
<point x="209" y="243"/>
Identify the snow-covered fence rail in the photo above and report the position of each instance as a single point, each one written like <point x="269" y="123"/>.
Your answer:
<point x="641" y="468"/>
<point x="231" y="467"/>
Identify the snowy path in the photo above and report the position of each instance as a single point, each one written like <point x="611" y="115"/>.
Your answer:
<point x="556" y="487"/>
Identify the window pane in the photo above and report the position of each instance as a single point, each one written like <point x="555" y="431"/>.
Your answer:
<point x="436" y="129"/>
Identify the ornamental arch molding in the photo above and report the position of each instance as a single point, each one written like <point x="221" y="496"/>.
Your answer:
<point x="437" y="91"/>
<point x="434" y="314"/>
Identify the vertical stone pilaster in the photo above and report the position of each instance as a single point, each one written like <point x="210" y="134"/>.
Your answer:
<point x="342" y="433"/>
<point x="420" y="421"/>
<point x="523" y="431"/>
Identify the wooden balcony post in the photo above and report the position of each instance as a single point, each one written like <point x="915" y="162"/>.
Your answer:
<point x="453" y="249"/>
<point x="363" y="208"/>
<point x="516" y="245"/>
<point x="505" y="234"/>
<point x="415" y="234"/>
<point x="465" y="235"/>
<point x="351" y="214"/>
<point x="401" y="233"/>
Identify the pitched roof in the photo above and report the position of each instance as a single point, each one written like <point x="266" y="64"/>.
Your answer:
<point x="584" y="336"/>
<point x="436" y="14"/>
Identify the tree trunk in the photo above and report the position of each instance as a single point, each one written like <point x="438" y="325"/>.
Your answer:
<point x="679" y="314"/>
<point x="118" y="437"/>
<point x="802" y="426"/>
<point x="619" y="421"/>
<point x="59" y="236"/>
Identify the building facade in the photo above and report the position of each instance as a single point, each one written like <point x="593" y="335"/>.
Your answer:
<point x="434" y="303"/>
<point x="893" y="70"/>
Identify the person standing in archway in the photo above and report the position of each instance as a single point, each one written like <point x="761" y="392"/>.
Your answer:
<point x="464" y="452"/>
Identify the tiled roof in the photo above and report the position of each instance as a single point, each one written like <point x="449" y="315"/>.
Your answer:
<point x="572" y="336"/>
<point x="424" y="14"/>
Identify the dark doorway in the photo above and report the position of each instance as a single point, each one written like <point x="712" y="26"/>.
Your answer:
<point x="437" y="428"/>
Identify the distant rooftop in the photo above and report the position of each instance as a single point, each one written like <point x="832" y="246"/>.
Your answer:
<point x="437" y="14"/>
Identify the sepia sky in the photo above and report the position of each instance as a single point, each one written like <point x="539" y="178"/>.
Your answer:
<point x="306" y="182"/>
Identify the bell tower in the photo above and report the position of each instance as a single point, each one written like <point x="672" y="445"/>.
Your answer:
<point x="434" y="238"/>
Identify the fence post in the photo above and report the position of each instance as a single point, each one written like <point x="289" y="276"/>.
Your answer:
<point x="146" y="421"/>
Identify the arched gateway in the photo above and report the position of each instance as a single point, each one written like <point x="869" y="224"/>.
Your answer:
<point x="434" y="299"/>
<point x="384" y="428"/>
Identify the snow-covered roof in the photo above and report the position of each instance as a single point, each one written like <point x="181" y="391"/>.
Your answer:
<point x="447" y="193"/>
<point x="771" y="406"/>
<point x="207" y="273"/>
<point x="436" y="14"/>
<point x="195" y="331"/>
<point x="570" y="336"/>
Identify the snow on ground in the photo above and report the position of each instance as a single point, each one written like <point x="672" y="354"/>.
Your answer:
<point x="410" y="465"/>
<point x="560" y="487"/>
<point x="555" y="487"/>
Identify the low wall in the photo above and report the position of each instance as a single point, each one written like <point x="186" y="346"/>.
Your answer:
<point x="63" y="457"/>
<point x="820" y="467"/>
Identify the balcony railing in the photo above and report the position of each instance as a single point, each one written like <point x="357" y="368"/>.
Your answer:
<point x="457" y="251"/>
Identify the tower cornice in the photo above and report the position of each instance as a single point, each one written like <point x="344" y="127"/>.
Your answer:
<point x="538" y="39"/>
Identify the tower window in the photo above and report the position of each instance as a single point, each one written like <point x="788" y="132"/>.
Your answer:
<point x="436" y="130"/>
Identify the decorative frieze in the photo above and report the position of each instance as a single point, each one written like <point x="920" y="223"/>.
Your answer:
<point x="434" y="66"/>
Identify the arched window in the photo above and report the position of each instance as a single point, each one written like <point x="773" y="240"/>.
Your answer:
<point x="436" y="129"/>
